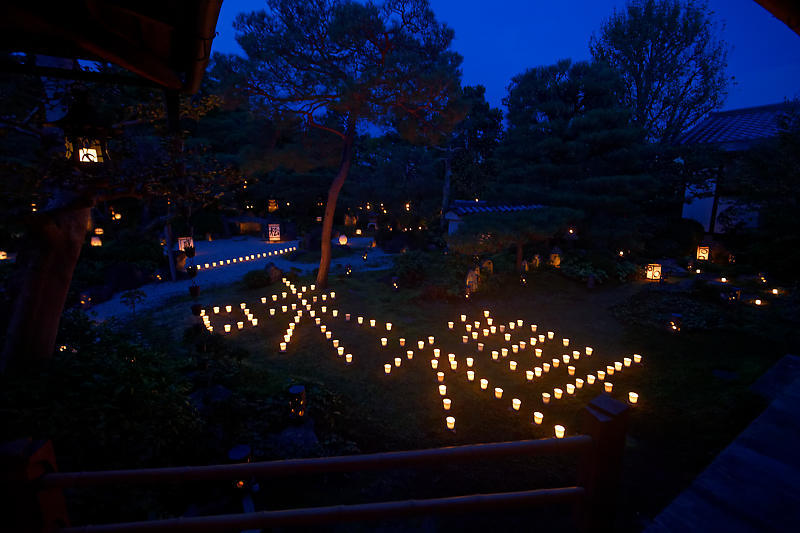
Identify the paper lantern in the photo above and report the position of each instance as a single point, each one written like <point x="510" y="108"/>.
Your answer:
<point x="571" y="370"/>
<point x="653" y="271"/>
<point x="348" y="358"/>
<point x="436" y="352"/>
<point x="498" y="392"/>
<point x="464" y="339"/>
<point x="387" y="368"/>
<point x="283" y="346"/>
<point x="545" y="397"/>
<point x="402" y="341"/>
<point x="504" y="352"/>
<point x="398" y="361"/>
<point x="565" y="358"/>
<point x="538" y="352"/>
<point x="534" y="327"/>
<point x="529" y="375"/>
<point x="340" y="350"/>
<point x="570" y="388"/>
<point x="557" y="393"/>
<point x="335" y="313"/>
<point x="610" y="370"/>
<point x="618" y="365"/>
<point x="440" y="377"/>
<point x="546" y="367"/>
<point x="451" y="422"/>
<point x="410" y="354"/>
<point x="446" y="403"/>
<point x="565" y="342"/>
<point x="336" y="343"/>
<point x="434" y="364"/>
<point x="537" y="417"/>
<point x="388" y="326"/>
<point x="559" y="430"/>
<point x="474" y="335"/>
<point x="239" y="325"/>
<point x="590" y="379"/>
<point x="515" y="348"/>
<point x="372" y="322"/>
<point x="453" y="365"/>
<point x="537" y="371"/>
<point x="227" y="328"/>
<point x="470" y="375"/>
<point x="484" y="384"/>
<point x="420" y="344"/>
<point x="384" y="340"/>
<point x="342" y="239"/>
<point x="463" y="318"/>
<point x="633" y="397"/>
<point x="703" y="253"/>
<point x="450" y="325"/>
<point x="515" y="404"/>
<point x="608" y="386"/>
<point x="637" y="358"/>
<point x="442" y="390"/>
<point x="626" y="361"/>
<point x="486" y="313"/>
<point x="470" y="361"/>
<point x="550" y="335"/>
<point x="512" y="365"/>
<point x="601" y="375"/>
<point x="579" y="383"/>
<point x="480" y="346"/>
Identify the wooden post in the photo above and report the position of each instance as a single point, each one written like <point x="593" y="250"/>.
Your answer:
<point x="599" y="472"/>
<point x="32" y="510"/>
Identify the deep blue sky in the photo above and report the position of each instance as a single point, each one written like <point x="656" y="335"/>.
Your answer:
<point x="502" y="38"/>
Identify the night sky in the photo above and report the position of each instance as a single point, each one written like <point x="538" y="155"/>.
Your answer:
<point x="502" y="38"/>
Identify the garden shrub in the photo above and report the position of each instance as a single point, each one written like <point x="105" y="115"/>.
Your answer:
<point x="256" y="279"/>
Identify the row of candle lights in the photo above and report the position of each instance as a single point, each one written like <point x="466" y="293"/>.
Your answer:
<point x="245" y="258"/>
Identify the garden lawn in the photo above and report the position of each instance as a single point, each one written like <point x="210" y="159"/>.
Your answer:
<point x="686" y="414"/>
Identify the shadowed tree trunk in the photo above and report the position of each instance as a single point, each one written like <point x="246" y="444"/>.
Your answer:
<point x="45" y="266"/>
<point x="519" y="257"/>
<point x="330" y="205"/>
<point x="446" y="187"/>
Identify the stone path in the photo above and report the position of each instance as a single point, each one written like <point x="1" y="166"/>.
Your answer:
<point x="753" y="485"/>
<point x="208" y="252"/>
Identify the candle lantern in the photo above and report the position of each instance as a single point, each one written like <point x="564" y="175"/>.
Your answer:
<point x="420" y="344"/>
<point x="512" y="365"/>
<point x="537" y="417"/>
<point x="484" y="384"/>
<point x="559" y="430"/>
<point x="340" y="351"/>
<point x="470" y="361"/>
<point x="579" y="383"/>
<point x="451" y="422"/>
<point x="283" y="347"/>
<point x="507" y="337"/>
<point x="626" y="361"/>
<point x="480" y="346"/>
<point x="398" y="361"/>
<point x="515" y="348"/>
<point x="463" y="318"/>
<point x="410" y="354"/>
<point x="515" y="404"/>
<point x="551" y="335"/>
<point x="565" y="342"/>
<point x="618" y="365"/>
<point x="434" y="364"/>
<point x="537" y="370"/>
<point x="590" y="379"/>
<point x="347" y="317"/>
<point x="541" y="338"/>
<point x="442" y="390"/>
<point x="571" y="370"/>
<point x="470" y="375"/>
<point x="388" y="326"/>
<point x="545" y="397"/>
<point x="495" y="355"/>
<point x="464" y="339"/>
<point x="608" y="386"/>
<point x="486" y="313"/>
<point x="453" y="365"/>
<point x="372" y="322"/>
<point x="446" y="402"/>
<point x="653" y="272"/>
<point x="239" y="325"/>
<point x="538" y="352"/>
<point x="498" y="392"/>
<point x="703" y="253"/>
<point x="633" y="397"/>
<point x="474" y="335"/>
<point x="637" y="358"/>
<point x="336" y="343"/>
<point x="440" y="377"/>
<point x="387" y="368"/>
<point x="610" y="370"/>
<point x="450" y="325"/>
<point x="546" y="367"/>
<point x="529" y="375"/>
<point x="227" y="328"/>
<point x="436" y="352"/>
<point x="360" y="320"/>
<point x="216" y="309"/>
<point x="348" y="358"/>
<point x="557" y="393"/>
<point x="565" y="358"/>
<point x="384" y="340"/>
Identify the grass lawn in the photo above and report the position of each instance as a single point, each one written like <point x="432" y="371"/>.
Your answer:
<point x="686" y="414"/>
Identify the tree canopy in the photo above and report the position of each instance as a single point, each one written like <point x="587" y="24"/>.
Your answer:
<point x="335" y="63"/>
<point x="670" y="59"/>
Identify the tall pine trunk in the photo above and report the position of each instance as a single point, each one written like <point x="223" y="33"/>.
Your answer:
<point x="446" y="186"/>
<point x="519" y="257"/>
<point x="46" y="266"/>
<point x="330" y="206"/>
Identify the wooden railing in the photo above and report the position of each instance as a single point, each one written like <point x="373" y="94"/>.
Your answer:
<point x="38" y="505"/>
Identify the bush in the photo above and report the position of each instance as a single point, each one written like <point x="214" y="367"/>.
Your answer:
<point x="256" y="279"/>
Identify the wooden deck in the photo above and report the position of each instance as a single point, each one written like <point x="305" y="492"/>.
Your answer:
<point x="753" y="485"/>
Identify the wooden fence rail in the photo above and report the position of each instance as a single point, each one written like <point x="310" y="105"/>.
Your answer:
<point x="29" y="473"/>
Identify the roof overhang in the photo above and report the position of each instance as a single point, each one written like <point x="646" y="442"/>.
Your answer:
<point x="166" y="43"/>
<point x="788" y="11"/>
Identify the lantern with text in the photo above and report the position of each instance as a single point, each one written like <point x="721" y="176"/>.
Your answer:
<point x="703" y="253"/>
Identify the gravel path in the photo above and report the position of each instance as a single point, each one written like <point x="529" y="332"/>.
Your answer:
<point x="157" y="294"/>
